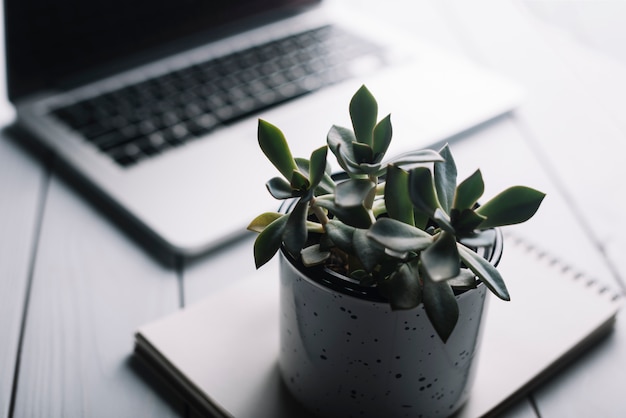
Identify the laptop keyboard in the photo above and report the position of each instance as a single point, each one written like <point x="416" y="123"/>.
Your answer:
<point x="142" y="120"/>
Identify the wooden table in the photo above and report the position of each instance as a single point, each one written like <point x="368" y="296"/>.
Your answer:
<point x="74" y="286"/>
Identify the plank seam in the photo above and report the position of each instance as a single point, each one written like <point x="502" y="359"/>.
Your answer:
<point x="48" y="170"/>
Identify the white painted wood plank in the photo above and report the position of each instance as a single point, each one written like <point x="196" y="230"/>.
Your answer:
<point x="21" y="182"/>
<point x="92" y="287"/>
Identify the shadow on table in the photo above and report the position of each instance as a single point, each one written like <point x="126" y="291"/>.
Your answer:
<point x="273" y="401"/>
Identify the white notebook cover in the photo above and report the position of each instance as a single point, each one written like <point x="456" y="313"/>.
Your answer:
<point x="221" y="354"/>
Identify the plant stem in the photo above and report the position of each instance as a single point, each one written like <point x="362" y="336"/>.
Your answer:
<point x="369" y="200"/>
<point x="319" y="212"/>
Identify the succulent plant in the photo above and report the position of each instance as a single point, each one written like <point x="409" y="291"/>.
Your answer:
<point x="402" y="226"/>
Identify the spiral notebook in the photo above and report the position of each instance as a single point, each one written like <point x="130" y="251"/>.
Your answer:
<point x="221" y="354"/>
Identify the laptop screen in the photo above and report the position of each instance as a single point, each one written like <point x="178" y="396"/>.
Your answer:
<point x="53" y="43"/>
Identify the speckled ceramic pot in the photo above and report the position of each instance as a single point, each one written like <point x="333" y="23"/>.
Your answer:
<point x="345" y="353"/>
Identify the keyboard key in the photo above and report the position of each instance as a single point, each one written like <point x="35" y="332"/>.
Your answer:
<point x="170" y="118"/>
<point x="147" y="127"/>
<point x="157" y="140"/>
<point x="127" y="155"/>
<point x="150" y="147"/>
<point x="203" y="124"/>
<point x="180" y="132"/>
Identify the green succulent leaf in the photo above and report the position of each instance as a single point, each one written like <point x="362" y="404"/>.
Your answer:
<point x="356" y="216"/>
<point x="421" y="219"/>
<point x="382" y="138"/>
<point x="279" y="188"/>
<point x="479" y="239"/>
<point x="469" y="191"/>
<point x="363" y="112"/>
<point x="514" y="205"/>
<point x="318" y="166"/>
<point x="346" y="161"/>
<point x="371" y="169"/>
<point x="326" y="185"/>
<point x="398" y="236"/>
<point x="295" y="232"/>
<point x="268" y="242"/>
<point x="400" y="255"/>
<point x="443" y="220"/>
<point x="340" y="234"/>
<point x="314" y="256"/>
<point x="441" y="307"/>
<point x="339" y="136"/>
<point x="304" y="165"/>
<point x="465" y="222"/>
<point x="397" y="200"/>
<point x="259" y="223"/>
<point x="274" y="145"/>
<point x="445" y="178"/>
<point x="355" y="169"/>
<point x="441" y="260"/>
<point x="485" y="271"/>
<point x="464" y="281"/>
<point x="299" y="181"/>
<point x="422" y="190"/>
<point x="416" y="157"/>
<point x="403" y="288"/>
<point x="353" y="192"/>
<point x="368" y="252"/>
<point x="362" y="153"/>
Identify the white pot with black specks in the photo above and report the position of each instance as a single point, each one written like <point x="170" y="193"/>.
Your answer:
<point x="345" y="353"/>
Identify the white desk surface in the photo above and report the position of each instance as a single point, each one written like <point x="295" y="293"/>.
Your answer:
<point x="74" y="286"/>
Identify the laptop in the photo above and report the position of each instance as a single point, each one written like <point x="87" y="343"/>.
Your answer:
<point x="154" y="104"/>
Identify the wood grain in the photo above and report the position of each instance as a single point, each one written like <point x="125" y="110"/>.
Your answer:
<point x="92" y="288"/>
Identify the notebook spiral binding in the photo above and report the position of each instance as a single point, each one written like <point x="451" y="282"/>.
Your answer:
<point x="558" y="265"/>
